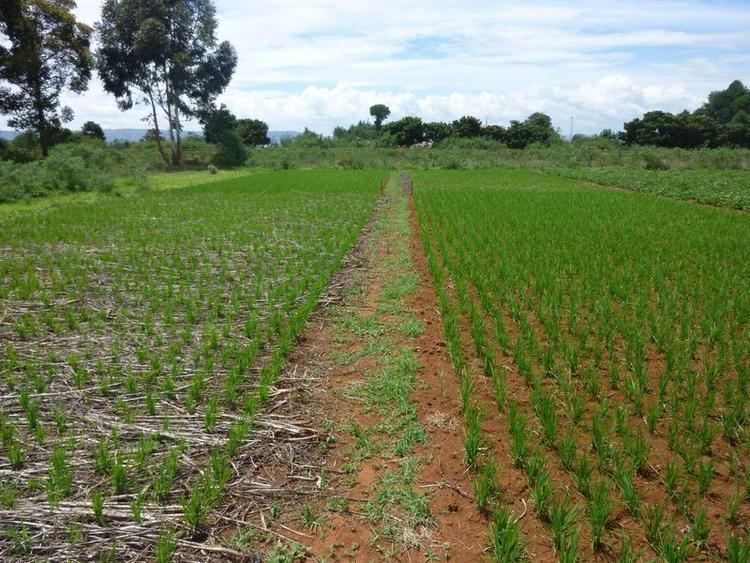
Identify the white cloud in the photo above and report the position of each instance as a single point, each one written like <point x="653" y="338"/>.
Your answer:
<point x="604" y="103"/>
<point x="320" y="63"/>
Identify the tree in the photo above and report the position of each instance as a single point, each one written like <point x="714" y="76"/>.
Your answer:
<point x="220" y="128"/>
<point x="609" y="135"/>
<point x="380" y="112"/>
<point x="43" y="51"/>
<point x="406" y="131"/>
<point x="495" y="132"/>
<point x="540" y="128"/>
<point x="231" y="151"/>
<point x="253" y="132"/>
<point x="436" y="131"/>
<point x="164" y="54"/>
<point x="217" y="123"/>
<point x="467" y="126"/>
<point x="720" y="103"/>
<point x="93" y="130"/>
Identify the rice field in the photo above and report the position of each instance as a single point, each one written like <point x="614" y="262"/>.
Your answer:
<point x="602" y="344"/>
<point x="600" y="340"/>
<point x="139" y="338"/>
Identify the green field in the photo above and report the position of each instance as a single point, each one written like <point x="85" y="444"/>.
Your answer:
<point x="600" y="339"/>
<point x="722" y="188"/>
<point x="140" y="335"/>
<point x="626" y="320"/>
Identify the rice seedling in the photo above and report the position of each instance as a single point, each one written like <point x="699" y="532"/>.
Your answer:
<point x="517" y="426"/>
<point x="541" y="493"/>
<point x="563" y="516"/>
<point x="583" y="476"/>
<point x="738" y="549"/>
<point x="567" y="450"/>
<point x="704" y="475"/>
<point x="166" y="544"/>
<point x="733" y="506"/>
<point x="699" y="529"/>
<point x="485" y="485"/>
<point x="653" y="523"/>
<point x="671" y="478"/>
<point x="505" y="537"/>
<point x="624" y="480"/>
<point x="97" y="505"/>
<point x="672" y="550"/>
<point x="637" y="450"/>
<point x="599" y="509"/>
<point x="473" y="436"/>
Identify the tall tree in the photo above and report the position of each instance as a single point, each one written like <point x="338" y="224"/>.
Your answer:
<point x="380" y="112"/>
<point x="253" y="132"/>
<point x="164" y="54"/>
<point x="43" y="51"/>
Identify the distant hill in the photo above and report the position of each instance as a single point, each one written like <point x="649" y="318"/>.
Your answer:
<point x="137" y="134"/>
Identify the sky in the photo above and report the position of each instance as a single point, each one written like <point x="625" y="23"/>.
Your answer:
<point x="322" y="63"/>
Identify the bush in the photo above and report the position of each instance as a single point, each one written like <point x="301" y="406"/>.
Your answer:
<point x="231" y="151"/>
<point x="74" y="167"/>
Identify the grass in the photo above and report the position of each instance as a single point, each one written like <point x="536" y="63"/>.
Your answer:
<point x="397" y="509"/>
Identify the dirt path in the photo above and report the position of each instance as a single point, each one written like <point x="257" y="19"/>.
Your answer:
<point x="391" y="477"/>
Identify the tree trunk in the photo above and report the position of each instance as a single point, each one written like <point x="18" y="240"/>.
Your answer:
<point x="44" y="142"/>
<point x="177" y="145"/>
<point x="156" y="129"/>
<point x="41" y="121"/>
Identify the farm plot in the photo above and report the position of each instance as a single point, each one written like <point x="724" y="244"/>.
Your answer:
<point x="722" y="188"/>
<point x="602" y="340"/>
<point x="139" y="338"/>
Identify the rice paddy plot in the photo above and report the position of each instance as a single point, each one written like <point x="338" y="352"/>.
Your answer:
<point x="614" y="328"/>
<point x="139" y="337"/>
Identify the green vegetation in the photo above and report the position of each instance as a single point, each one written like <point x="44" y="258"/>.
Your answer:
<point x="140" y="335"/>
<point x="44" y="52"/>
<point x="724" y="188"/>
<point x="177" y="78"/>
<point x="601" y="299"/>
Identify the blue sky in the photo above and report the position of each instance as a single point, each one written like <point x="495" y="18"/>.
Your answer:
<point x="321" y="63"/>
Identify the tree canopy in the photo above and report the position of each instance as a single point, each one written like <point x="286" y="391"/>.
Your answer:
<point x="93" y="130"/>
<point x="164" y="54"/>
<point x="43" y="52"/>
<point x="217" y="123"/>
<point x="467" y="126"/>
<point x="253" y="132"/>
<point x="406" y="131"/>
<point x="721" y="121"/>
<point x="380" y="112"/>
